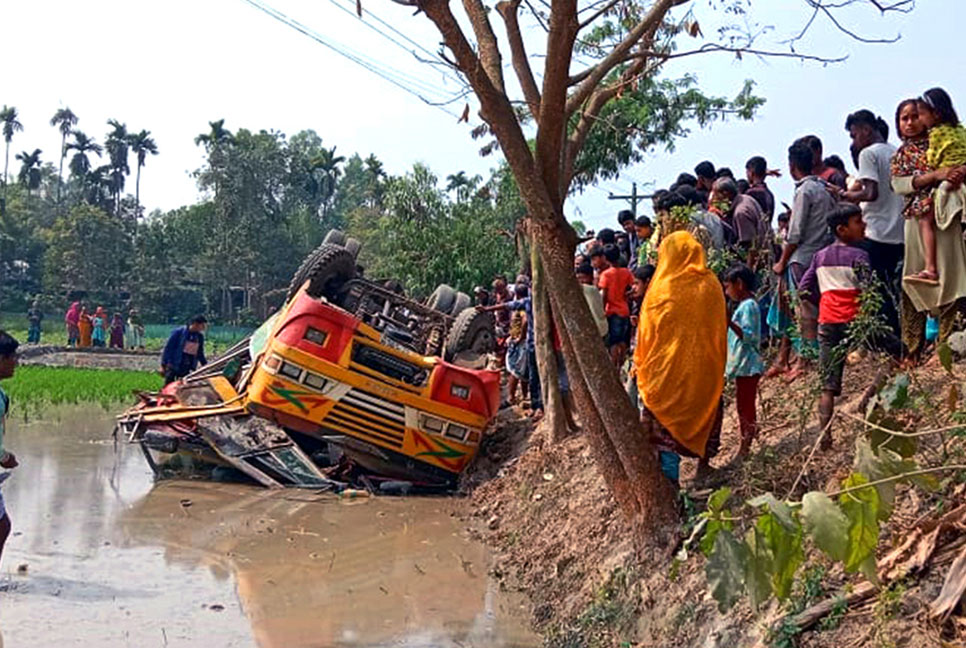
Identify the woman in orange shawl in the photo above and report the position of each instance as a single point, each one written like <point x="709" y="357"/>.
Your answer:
<point x="682" y="347"/>
<point x="86" y="327"/>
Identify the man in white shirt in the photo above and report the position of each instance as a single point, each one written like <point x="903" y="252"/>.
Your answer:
<point x="881" y="207"/>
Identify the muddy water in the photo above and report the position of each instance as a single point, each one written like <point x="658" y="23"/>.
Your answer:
<point x="101" y="556"/>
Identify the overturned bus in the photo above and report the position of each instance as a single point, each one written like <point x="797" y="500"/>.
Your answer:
<point x="349" y="372"/>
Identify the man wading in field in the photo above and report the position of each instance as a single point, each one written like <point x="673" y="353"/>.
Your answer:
<point x="8" y="363"/>
<point x="184" y="350"/>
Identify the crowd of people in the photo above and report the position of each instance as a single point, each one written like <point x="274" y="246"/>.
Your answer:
<point x="692" y="298"/>
<point x="86" y="329"/>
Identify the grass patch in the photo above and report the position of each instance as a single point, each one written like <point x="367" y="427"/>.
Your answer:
<point x="33" y="387"/>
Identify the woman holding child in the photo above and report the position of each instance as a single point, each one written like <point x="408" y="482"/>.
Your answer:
<point x="935" y="255"/>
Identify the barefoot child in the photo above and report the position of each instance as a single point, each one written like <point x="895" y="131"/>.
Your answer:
<point x="744" y="351"/>
<point x="8" y="363"/>
<point x="836" y="276"/>
<point x="947" y="149"/>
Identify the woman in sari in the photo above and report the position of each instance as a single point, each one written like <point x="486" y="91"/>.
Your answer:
<point x="85" y="327"/>
<point x="916" y="181"/>
<point x="679" y="361"/>
<point x="117" y="332"/>
<point x="71" y="320"/>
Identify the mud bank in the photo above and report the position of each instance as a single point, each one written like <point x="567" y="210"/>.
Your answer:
<point x="57" y="356"/>
<point x="558" y="538"/>
<point x="101" y="556"/>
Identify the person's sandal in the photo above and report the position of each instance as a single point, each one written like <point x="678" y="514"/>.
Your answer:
<point x="930" y="278"/>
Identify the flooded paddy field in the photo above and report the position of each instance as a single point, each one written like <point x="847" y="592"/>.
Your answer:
<point x="100" y="555"/>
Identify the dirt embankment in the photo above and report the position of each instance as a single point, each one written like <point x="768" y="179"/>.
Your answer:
<point x="89" y="358"/>
<point x="557" y="535"/>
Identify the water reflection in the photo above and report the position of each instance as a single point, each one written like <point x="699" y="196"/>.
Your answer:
<point x="124" y="559"/>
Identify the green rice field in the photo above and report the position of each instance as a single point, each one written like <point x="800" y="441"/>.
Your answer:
<point x="33" y="387"/>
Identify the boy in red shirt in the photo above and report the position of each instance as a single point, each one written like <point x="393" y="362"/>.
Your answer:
<point x="614" y="283"/>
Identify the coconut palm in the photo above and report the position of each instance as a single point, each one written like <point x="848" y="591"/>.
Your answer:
<point x="80" y="164"/>
<point x="65" y="120"/>
<point x="141" y="144"/>
<point x="11" y="125"/>
<point x="29" y="175"/>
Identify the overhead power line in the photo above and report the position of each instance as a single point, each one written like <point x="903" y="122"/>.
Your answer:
<point x="401" y="80"/>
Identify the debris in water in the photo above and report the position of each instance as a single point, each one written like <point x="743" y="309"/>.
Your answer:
<point x="217" y="607"/>
<point x="185" y="503"/>
<point x="22" y="568"/>
<point x="352" y="493"/>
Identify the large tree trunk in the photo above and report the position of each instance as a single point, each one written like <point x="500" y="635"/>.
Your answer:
<point x="555" y="419"/>
<point x="623" y="452"/>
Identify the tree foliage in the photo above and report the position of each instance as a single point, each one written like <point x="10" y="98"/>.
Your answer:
<point x="843" y="526"/>
<point x="268" y="200"/>
<point x="424" y="237"/>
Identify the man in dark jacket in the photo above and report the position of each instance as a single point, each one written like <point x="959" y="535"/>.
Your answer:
<point x="184" y="350"/>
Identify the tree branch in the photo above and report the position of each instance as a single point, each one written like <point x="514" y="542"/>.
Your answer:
<point x="518" y="55"/>
<point x="553" y="112"/>
<point x="826" y="8"/>
<point x="591" y="111"/>
<point x="597" y="14"/>
<point x="495" y="107"/>
<point x="651" y="20"/>
<point x="486" y="41"/>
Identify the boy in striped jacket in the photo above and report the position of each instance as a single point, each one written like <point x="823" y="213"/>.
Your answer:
<point x="835" y="280"/>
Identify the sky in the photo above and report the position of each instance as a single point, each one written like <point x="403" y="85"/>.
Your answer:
<point x="171" y="67"/>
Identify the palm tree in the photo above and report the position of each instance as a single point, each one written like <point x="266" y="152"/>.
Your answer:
<point x="99" y="187"/>
<point x="462" y="184"/>
<point x="65" y="120"/>
<point x="116" y="145"/>
<point x="215" y="141"/>
<point x="141" y="144"/>
<point x="217" y="135"/>
<point x="327" y="162"/>
<point x="29" y="175"/>
<point x="11" y="125"/>
<point x="80" y="165"/>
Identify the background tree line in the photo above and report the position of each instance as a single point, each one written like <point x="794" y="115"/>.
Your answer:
<point x="267" y="201"/>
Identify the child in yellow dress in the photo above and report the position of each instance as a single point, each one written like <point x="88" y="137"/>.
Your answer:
<point x="947" y="150"/>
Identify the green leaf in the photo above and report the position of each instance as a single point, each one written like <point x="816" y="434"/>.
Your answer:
<point x="758" y="569"/>
<point x="895" y="464"/>
<point x="945" y="353"/>
<point x="711" y="532"/>
<point x="861" y="507"/>
<point x="718" y="499"/>
<point x="725" y="570"/>
<point x="869" y="464"/>
<point x="905" y="446"/>
<point x="895" y="395"/>
<point x="777" y="508"/>
<point x="785" y="547"/>
<point x="826" y="524"/>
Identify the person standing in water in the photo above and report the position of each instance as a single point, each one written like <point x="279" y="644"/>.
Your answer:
<point x="184" y="350"/>
<point x="8" y="364"/>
